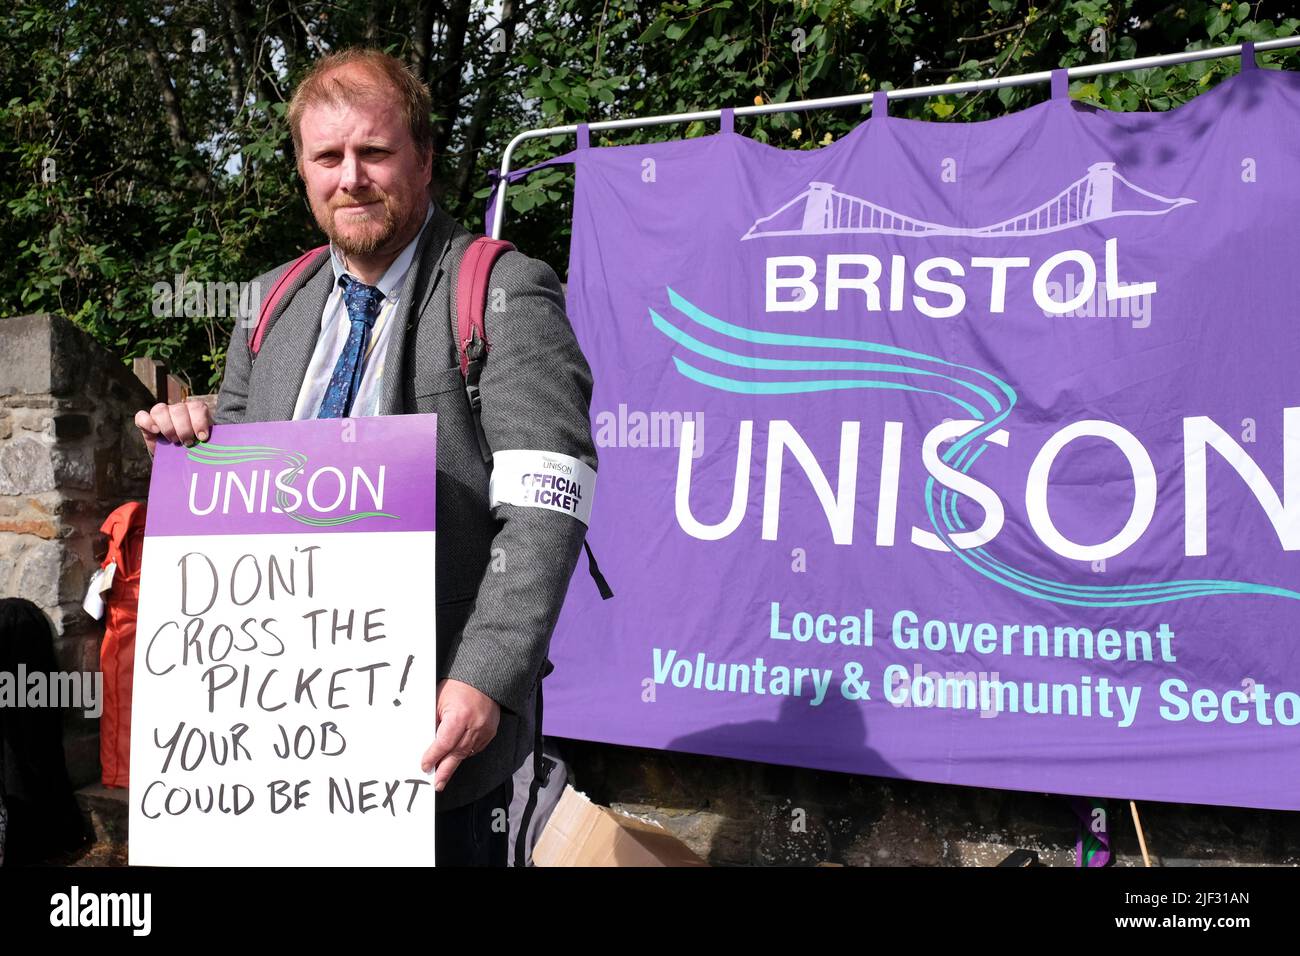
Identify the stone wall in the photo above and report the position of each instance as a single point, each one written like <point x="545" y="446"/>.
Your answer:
<point x="69" y="455"/>
<point x="739" y="813"/>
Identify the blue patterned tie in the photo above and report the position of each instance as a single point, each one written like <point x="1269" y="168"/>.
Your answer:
<point x="363" y="308"/>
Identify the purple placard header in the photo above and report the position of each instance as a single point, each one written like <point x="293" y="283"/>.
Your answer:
<point x="336" y="475"/>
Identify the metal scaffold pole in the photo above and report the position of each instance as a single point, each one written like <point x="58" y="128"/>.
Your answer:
<point x="856" y="99"/>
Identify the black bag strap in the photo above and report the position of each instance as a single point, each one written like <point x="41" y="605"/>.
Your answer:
<point x="542" y="767"/>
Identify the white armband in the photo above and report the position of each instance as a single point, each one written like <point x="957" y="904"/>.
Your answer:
<point x="542" y="479"/>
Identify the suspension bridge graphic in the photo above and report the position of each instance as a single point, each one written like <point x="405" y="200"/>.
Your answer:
<point x="1101" y="193"/>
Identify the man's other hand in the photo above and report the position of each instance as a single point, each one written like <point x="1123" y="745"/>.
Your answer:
<point x="467" y="722"/>
<point x="183" y="423"/>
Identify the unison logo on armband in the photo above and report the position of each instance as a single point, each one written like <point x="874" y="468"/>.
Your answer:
<point x="542" y="479"/>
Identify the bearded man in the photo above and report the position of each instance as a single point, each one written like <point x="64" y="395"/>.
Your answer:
<point x="368" y="330"/>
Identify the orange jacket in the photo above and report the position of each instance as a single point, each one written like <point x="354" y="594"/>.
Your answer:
<point x="125" y="530"/>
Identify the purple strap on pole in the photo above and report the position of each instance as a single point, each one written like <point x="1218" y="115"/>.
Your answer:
<point x="584" y="136"/>
<point x="879" y="104"/>
<point x="728" y="120"/>
<point x="1248" y="56"/>
<point x="494" y="176"/>
<point x="1060" y="85"/>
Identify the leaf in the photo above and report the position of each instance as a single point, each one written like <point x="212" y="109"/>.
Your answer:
<point x="818" y="68"/>
<point x="654" y="31"/>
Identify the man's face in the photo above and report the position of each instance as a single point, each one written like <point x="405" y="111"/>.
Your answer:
<point x="366" y="182"/>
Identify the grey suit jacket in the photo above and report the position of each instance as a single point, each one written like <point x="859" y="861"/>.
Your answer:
<point x="501" y="574"/>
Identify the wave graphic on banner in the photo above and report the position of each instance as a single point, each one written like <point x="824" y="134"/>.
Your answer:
<point x="221" y="456"/>
<point x="1100" y="193"/>
<point x="988" y="399"/>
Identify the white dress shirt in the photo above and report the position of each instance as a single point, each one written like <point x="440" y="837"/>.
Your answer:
<point x="335" y="327"/>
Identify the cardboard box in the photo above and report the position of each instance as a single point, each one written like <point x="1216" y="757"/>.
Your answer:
<point x="581" y="833"/>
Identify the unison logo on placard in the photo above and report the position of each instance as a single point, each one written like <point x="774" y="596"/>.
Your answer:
<point x="321" y="497"/>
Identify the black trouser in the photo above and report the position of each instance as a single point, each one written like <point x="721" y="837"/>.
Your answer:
<point x="476" y="834"/>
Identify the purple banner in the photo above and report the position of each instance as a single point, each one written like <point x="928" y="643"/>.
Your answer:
<point x="329" y="475"/>
<point x="962" y="452"/>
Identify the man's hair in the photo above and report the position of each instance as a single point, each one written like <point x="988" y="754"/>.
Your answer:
<point x="378" y="73"/>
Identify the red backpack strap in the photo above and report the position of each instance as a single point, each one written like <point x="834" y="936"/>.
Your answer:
<point x="471" y="348"/>
<point x="278" y="290"/>
<point x="471" y="295"/>
<point x="471" y="334"/>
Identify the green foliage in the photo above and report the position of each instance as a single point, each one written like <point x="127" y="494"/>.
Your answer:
<point x="122" y="171"/>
